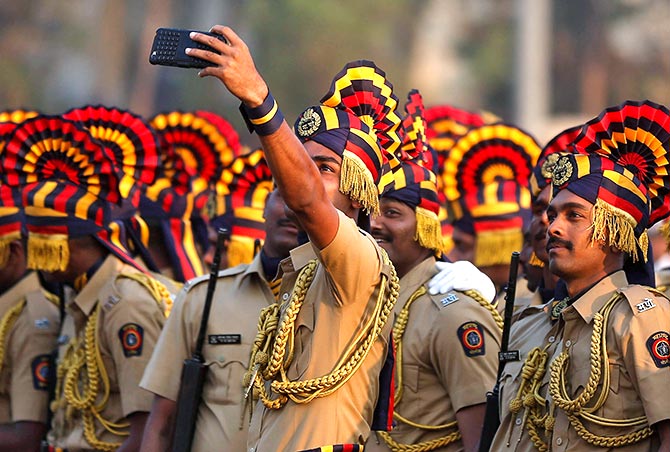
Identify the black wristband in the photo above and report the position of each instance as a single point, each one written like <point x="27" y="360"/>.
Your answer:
<point x="264" y="119"/>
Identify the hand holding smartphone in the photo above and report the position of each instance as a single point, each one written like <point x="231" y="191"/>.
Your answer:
<point x="170" y="44"/>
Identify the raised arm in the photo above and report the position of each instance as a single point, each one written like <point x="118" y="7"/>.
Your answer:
<point x="297" y="177"/>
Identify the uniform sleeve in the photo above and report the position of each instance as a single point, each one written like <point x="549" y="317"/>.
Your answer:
<point x="352" y="260"/>
<point x="131" y="329"/>
<point x="646" y="354"/>
<point x="165" y="365"/>
<point x="464" y="350"/>
<point x="30" y="349"/>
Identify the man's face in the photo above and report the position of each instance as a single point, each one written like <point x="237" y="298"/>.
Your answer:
<point x="281" y="233"/>
<point x="571" y="255"/>
<point x="464" y="246"/>
<point x="539" y="223"/>
<point x="395" y="229"/>
<point x="329" y="164"/>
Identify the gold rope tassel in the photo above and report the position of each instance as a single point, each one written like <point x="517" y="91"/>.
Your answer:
<point x="614" y="227"/>
<point x="48" y="252"/>
<point x="494" y="247"/>
<point x="428" y="230"/>
<point x="356" y="182"/>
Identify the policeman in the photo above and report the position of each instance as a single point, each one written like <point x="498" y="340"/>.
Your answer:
<point x="241" y="293"/>
<point x="446" y="344"/>
<point x="29" y="322"/>
<point x="116" y="311"/>
<point x="337" y="291"/>
<point x="608" y="383"/>
<point x="534" y="331"/>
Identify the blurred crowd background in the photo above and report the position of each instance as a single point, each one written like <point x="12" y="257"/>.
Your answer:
<point x="542" y="64"/>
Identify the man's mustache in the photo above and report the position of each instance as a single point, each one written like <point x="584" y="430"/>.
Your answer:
<point x="555" y="241"/>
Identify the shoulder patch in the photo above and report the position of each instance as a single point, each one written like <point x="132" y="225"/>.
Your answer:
<point x="41" y="366"/>
<point x="131" y="336"/>
<point x="471" y="337"/>
<point x="641" y="298"/>
<point x="658" y="345"/>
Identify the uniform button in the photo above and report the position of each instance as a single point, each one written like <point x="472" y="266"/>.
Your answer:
<point x="518" y="421"/>
<point x="252" y="449"/>
<point x="283" y="297"/>
<point x="559" y="441"/>
<point x="551" y="339"/>
<point x="568" y="343"/>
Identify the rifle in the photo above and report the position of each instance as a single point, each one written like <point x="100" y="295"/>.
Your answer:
<point x="194" y="370"/>
<point x="492" y="418"/>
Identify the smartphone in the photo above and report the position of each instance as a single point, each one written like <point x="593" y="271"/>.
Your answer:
<point x="170" y="44"/>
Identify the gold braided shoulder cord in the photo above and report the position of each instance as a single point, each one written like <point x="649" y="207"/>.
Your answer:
<point x="529" y="397"/>
<point x="157" y="290"/>
<point x="475" y="295"/>
<point x="79" y="377"/>
<point x="577" y="409"/>
<point x="398" y="332"/>
<point x="278" y="336"/>
<point x="6" y="324"/>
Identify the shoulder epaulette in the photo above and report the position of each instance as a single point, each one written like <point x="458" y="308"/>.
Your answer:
<point x="157" y="290"/>
<point x="233" y="271"/>
<point x="43" y="311"/>
<point x="641" y="298"/>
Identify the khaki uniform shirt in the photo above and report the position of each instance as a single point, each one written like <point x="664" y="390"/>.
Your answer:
<point x="241" y="292"/>
<point x="129" y="322"/>
<point x="449" y="360"/>
<point x="27" y="349"/>
<point x="638" y="352"/>
<point x="532" y="327"/>
<point x="339" y="301"/>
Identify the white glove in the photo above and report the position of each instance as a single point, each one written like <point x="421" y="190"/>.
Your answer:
<point x="461" y="275"/>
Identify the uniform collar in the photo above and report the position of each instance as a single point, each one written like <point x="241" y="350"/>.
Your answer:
<point x="28" y="283"/>
<point x="419" y="275"/>
<point x="255" y="266"/>
<point x="88" y="297"/>
<point x="298" y="258"/>
<point x="590" y="302"/>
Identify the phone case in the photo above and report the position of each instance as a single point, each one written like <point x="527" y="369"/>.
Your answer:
<point x="170" y="45"/>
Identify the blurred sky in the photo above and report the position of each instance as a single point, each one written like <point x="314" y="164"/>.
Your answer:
<point x="544" y="65"/>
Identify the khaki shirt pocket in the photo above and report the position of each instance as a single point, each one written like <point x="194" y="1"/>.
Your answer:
<point x="223" y="384"/>
<point x="410" y="377"/>
<point x="304" y="327"/>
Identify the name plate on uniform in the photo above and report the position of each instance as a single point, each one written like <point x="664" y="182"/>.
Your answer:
<point x="511" y="355"/>
<point x="223" y="339"/>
